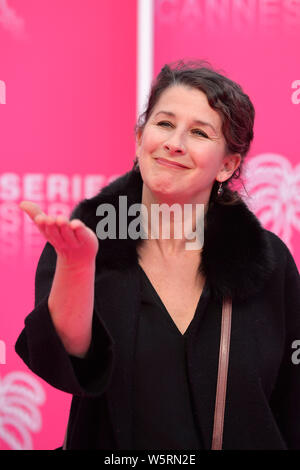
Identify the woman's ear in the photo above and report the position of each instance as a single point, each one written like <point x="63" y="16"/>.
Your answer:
<point x="139" y="134"/>
<point x="229" y="165"/>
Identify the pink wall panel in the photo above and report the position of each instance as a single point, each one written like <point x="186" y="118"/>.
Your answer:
<point x="67" y="115"/>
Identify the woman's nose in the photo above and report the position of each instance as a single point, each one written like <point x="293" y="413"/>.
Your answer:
<point x="174" y="147"/>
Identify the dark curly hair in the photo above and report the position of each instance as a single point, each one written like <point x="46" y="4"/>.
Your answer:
<point x="225" y="96"/>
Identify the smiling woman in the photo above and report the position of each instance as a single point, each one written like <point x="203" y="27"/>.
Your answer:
<point x="196" y="91"/>
<point x="201" y="150"/>
<point x="138" y="330"/>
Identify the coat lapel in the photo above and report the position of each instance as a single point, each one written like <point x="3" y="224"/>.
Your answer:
<point x="118" y="303"/>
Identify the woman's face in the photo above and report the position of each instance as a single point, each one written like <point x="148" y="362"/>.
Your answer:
<point x="183" y="128"/>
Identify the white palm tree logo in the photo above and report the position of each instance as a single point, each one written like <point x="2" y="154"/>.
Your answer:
<point x="275" y="193"/>
<point x="11" y="21"/>
<point x="20" y="396"/>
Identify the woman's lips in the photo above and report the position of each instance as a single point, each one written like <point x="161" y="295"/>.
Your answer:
<point x="168" y="163"/>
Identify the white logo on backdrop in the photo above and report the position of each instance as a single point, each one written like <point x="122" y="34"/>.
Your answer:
<point x="54" y="193"/>
<point x="274" y="185"/>
<point x="239" y="15"/>
<point x="20" y="396"/>
<point x="10" y="20"/>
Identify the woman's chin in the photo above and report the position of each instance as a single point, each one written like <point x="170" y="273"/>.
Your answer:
<point x="164" y="186"/>
<point x="165" y="193"/>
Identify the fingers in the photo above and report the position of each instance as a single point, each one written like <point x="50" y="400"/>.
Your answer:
<point x="81" y="231"/>
<point x="62" y="233"/>
<point x="66" y="231"/>
<point x="31" y="209"/>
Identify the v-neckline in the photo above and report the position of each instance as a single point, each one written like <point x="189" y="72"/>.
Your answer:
<point x="162" y="305"/>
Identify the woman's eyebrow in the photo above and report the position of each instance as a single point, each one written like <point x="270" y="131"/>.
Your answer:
<point x="196" y="121"/>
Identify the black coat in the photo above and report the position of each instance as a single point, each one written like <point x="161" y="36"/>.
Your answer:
<point x="240" y="259"/>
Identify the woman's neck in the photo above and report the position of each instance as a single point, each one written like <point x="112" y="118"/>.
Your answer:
<point x="172" y="225"/>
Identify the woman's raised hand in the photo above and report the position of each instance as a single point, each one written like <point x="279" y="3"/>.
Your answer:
<point x="74" y="243"/>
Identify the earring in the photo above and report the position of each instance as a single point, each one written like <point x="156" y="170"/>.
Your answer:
<point x="220" y="189"/>
<point x="136" y="166"/>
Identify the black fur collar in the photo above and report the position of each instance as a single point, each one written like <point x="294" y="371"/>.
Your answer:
<point x="237" y="257"/>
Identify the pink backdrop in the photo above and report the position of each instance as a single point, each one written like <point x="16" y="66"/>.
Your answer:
<point x="67" y="128"/>
<point x="67" y="113"/>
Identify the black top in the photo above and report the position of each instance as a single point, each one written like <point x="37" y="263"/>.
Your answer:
<point x="163" y="411"/>
<point x="240" y="259"/>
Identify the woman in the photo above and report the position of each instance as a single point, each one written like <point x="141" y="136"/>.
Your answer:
<point x="132" y="329"/>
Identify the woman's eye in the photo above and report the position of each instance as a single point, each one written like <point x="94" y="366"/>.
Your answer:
<point x="198" y="132"/>
<point x="164" y="123"/>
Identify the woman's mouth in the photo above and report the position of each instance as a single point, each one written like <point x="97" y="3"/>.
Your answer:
<point x="171" y="164"/>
